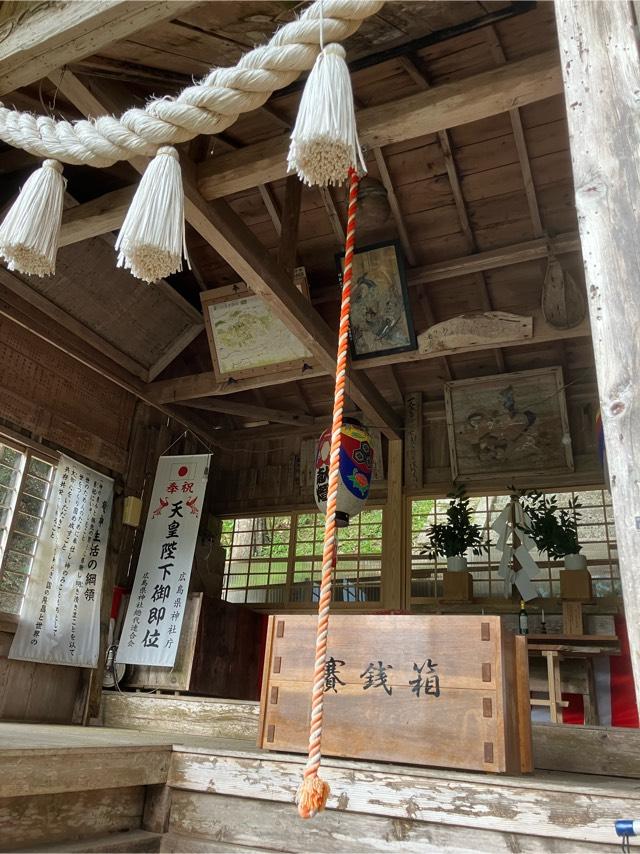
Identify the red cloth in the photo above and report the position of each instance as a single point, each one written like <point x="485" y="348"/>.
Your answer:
<point x="624" y="710"/>
<point x="622" y="698"/>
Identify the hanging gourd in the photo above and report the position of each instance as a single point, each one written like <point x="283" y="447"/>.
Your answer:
<point x="354" y="475"/>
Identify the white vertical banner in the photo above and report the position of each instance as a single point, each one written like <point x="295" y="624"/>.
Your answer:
<point x="152" y="626"/>
<point x="60" y="619"/>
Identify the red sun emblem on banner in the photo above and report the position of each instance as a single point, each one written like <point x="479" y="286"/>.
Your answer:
<point x="183" y="471"/>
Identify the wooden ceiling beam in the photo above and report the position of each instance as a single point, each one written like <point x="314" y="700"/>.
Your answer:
<point x="288" y="248"/>
<point x="205" y="385"/>
<point x="492" y="259"/>
<point x="443" y="106"/>
<point x="225" y="232"/>
<point x="250" y="411"/>
<point x="43" y="39"/>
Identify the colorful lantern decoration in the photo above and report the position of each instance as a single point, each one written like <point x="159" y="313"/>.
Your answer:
<point x="356" y="463"/>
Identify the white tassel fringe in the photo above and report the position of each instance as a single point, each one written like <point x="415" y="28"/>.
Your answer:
<point x="152" y="242"/>
<point x="324" y="141"/>
<point x="30" y="232"/>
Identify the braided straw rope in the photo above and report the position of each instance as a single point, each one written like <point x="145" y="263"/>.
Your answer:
<point x="208" y="107"/>
<point x="313" y="793"/>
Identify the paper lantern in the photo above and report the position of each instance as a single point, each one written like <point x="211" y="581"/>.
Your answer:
<point x="354" y="477"/>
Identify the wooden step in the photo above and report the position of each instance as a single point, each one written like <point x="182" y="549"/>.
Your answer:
<point x="39" y="759"/>
<point x="200" y="716"/>
<point x="576" y="808"/>
<point x="112" y="843"/>
<point x="213" y="823"/>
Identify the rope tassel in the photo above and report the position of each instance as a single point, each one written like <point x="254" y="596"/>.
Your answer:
<point x="313" y="793"/>
<point x="30" y="232"/>
<point x="324" y="141"/>
<point x="152" y="242"/>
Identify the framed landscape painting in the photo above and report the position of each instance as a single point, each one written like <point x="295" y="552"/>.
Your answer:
<point x="381" y="321"/>
<point x="508" y="424"/>
<point x="245" y="337"/>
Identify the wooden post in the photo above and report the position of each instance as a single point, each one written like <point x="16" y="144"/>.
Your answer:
<point x="413" y="440"/>
<point x="392" y="546"/>
<point x="599" y="59"/>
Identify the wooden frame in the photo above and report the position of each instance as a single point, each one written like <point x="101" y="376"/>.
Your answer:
<point x="28" y="450"/>
<point x="217" y="302"/>
<point x="494" y="430"/>
<point x="373" y="258"/>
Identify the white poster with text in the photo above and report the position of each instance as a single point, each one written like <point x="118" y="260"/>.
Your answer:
<point x="60" y="619"/>
<point x="152" y="626"/>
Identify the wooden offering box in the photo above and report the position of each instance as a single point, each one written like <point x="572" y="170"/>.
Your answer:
<point x="449" y="691"/>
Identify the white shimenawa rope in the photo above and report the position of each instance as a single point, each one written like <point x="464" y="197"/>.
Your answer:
<point x="208" y="107"/>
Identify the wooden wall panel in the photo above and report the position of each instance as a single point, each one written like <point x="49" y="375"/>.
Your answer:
<point x="55" y="398"/>
<point x="35" y="692"/>
<point x="68" y="816"/>
<point x="52" y="395"/>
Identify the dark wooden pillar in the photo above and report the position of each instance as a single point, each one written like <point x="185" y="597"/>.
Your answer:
<point x="601" y="71"/>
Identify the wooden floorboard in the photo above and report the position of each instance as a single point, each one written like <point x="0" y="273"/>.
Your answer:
<point x="446" y="805"/>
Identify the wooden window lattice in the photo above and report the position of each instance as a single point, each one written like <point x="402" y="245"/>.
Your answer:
<point x="595" y="531"/>
<point x="277" y="560"/>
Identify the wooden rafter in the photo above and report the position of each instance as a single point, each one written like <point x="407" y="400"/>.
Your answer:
<point x="39" y="302"/>
<point x="394" y="204"/>
<point x="43" y="39"/>
<point x="493" y="41"/>
<point x="26" y="315"/>
<point x="444" y="140"/>
<point x="443" y="106"/>
<point x="332" y="212"/>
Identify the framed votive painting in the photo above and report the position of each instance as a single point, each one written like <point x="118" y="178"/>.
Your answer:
<point x="245" y="337"/>
<point x="508" y="424"/>
<point x="381" y="321"/>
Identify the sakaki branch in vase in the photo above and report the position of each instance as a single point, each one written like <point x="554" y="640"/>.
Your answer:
<point x="554" y="529"/>
<point x="458" y="535"/>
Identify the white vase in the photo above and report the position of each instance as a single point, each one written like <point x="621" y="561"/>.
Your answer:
<point x="457" y="563"/>
<point x="575" y="562"/>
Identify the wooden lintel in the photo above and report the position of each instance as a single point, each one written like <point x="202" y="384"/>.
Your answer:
<point x="443" y="106"/>
<point x="249" y="410"/>
<point x="42" y="39"/>
<point x="205" y="384"/>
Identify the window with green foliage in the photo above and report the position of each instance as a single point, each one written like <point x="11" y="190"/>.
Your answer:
<point x="278" y="559"/>
<point x="596" y="534"/>
<point x="25" y="483"/>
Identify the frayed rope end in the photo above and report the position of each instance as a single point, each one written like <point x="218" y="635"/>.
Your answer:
<point x="324" y="141"/>
<point x="30" y="232"/>
<point x="152" y="242"/>
<point x="312" y="796"/>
